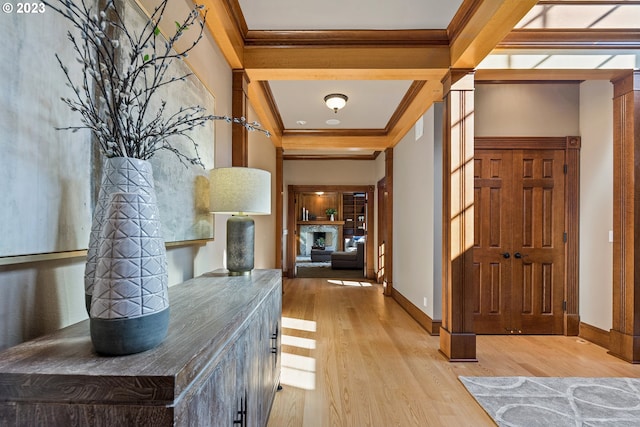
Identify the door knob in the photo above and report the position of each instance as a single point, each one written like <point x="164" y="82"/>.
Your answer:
<point x="506" y="255"/>
<point x="517" y="255"/>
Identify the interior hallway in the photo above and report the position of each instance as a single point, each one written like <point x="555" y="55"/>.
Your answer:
<point x="352" y="357"/>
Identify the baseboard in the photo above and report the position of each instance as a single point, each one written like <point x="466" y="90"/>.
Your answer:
<point x="430" y="325"/>
<point x="595" y="335"/>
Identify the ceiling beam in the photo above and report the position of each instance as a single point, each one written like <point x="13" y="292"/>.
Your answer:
<point x="342" y="62"/>
<point x="266" y="109"/>
<point x="424" y="98"/>
<point x="322" y="141"/>
<point x="532" y="75"/>
<point x="489" y="22"/>
<point x="225" y="31"/>
<point x="592" y="38"/>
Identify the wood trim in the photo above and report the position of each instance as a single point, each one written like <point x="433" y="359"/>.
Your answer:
<point x="381" y="38"/>
<point x="331" y="156"/>
<point x="343" y="133"/>
<point x="388" y="218"/>
<point x="329" y="188"/>
<point x="406" y="101"/>
<point x="291" y="233"/>
<point x="224" y="29"/>
<point x="279" y="193"/>
<point x="239" y="134"/>
<point x="537" y="75"/>
<point x="272" y="105"/>
<point x="345" y="62"/>
<point x="487" y="23"/>
<point x="520" y="142"/>
<point x="457" y="339"/>
<point x="625" y="332"/>
<point x="235" y="13"/>
<point x="371" y="247"/>
<point x="591" y="38"/>
<point x="595" y="335"/>
<point x="572" y="228"/>
<point x="423" y="319"/>
<point x="53" y="256"/>
<point x="461" y="19"/>
<point x="318" y="141"/>
<point x="261" y="99"/>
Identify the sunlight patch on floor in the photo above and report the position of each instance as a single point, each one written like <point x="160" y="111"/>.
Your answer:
<point x="296" y="370"/>
<point x="350" y="283"/>
<point x="303" y="325"/>
<point x="299" y="342"/>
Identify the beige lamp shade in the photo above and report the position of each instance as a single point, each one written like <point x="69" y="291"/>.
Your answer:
<point x="240" y="190"/>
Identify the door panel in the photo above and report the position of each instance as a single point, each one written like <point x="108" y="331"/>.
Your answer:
<point x="519" y="246"/>
<point x="538" y="285"/>
<point x="492" y="240"/>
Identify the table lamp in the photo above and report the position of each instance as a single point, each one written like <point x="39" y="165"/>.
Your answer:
<point x="240" y="191"/>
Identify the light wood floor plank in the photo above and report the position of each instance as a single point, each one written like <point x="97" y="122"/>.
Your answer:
<point x="373" y="365"/>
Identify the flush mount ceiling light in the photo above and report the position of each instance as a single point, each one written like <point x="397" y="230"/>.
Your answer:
<point x="335" y="101"/>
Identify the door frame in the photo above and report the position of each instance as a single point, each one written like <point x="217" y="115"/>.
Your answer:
<point x="382" y="235"/>
<point x="293" y="190"/>
<point x="571" y="145"/>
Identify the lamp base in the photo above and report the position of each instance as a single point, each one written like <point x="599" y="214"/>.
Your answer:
<point x="240" y="245"/>
<point x="239" y="273"/>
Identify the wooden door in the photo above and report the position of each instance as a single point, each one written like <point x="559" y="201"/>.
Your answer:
<point x="538" y="241"/>
<point x="519" y="241"/>
<point x="492" y="262"/>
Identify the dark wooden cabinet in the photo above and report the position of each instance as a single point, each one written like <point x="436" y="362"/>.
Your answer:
<point x="218" y="366"/>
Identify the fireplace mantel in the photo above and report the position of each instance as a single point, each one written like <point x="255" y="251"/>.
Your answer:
<point x="321" y="223"/>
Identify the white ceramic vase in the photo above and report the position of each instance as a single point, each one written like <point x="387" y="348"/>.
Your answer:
<point x="130" y="303"/>
<point x="119" y="174"/>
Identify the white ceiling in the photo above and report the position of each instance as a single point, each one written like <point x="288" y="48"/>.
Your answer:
<point x="348" y="14"/>
<point x="370" y="105"/>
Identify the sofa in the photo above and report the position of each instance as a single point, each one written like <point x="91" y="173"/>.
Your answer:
<point x="352" y="260"/>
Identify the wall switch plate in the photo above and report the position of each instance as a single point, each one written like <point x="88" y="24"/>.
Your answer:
<point x="610" y="236"/>
<point x="425" y="301"/>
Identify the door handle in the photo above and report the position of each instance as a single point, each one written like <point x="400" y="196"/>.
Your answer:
<point x="506" y="255"/>
<point x="519" y="255"/>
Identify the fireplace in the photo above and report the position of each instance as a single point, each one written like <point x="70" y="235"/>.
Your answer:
<point x="311" y="235"/>
<point x="319" y="240"/>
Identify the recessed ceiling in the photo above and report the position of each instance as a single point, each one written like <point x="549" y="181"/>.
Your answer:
<point x="348" y="15"/>
<point x="370" y="105"/>
<point x="389" y="57"/>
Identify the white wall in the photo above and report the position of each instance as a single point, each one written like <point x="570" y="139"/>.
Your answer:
<point x="549" y="109"/>
<point x="262" y="155"/>
<point x="596" y="204"/>
<point x="39" y="297"/>
<point x="413" y="218"/>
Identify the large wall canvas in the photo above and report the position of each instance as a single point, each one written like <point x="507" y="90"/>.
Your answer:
<point x="49" y="177"/>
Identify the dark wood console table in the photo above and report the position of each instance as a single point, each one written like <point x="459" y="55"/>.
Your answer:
<point x="218" y="366"/>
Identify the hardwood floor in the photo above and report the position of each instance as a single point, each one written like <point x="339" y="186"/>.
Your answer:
<point x="353" y="357"/>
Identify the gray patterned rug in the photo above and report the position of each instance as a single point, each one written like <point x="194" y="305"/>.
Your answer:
<point x="541" y="401"/>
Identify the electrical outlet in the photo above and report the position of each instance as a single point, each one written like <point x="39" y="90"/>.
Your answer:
<point x="425" y="301"/>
